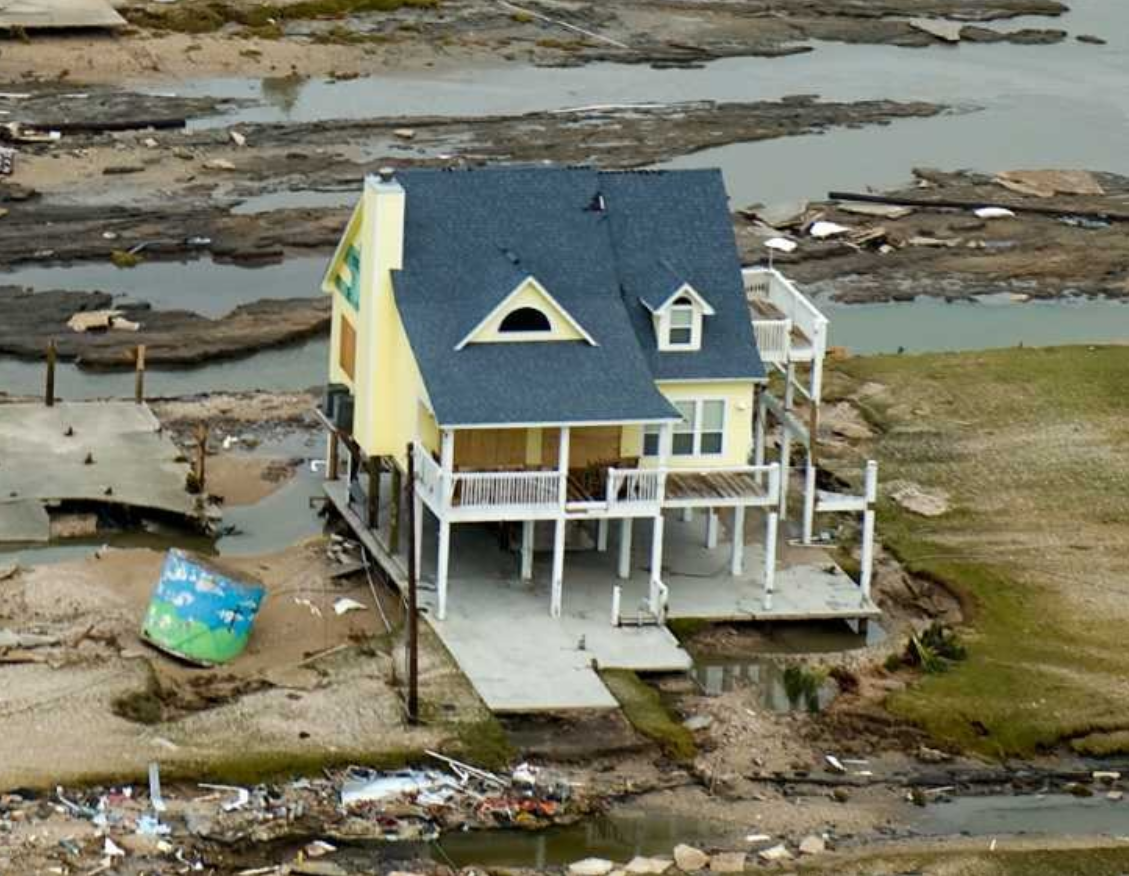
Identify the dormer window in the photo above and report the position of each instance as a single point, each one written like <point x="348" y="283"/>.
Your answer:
<point x="678" y="322"/>
<point x="525" y="319"/>
<point x="681" y="325"/>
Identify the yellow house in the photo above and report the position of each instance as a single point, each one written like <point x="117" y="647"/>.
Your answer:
<point x="548" y="344"/>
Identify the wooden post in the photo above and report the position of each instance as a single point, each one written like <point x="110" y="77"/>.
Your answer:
<point x="201" y="455"/>
<point x="49" y="394"/>
<point x="413" y="614"/>
<point x="372" y="469"/>
<point x="331" y="456"/>
<point x="139" y="374"/>
<point x="396" y="510"/>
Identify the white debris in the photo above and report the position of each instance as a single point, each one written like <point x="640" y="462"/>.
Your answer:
<point x="640" y="865"/>
<point x="218" y="164"/>
<point x="688" y="859"/>
<point x="111" y="849"/>
<point x="591" y="867"/>
<point x="781" y="244"/>
<point x="813" y="845"/>
<point x="823" y="229"/>
<point x="994" y="213"/>
<point x="948" y="31"/>
<point x="776" y="853"/>
<point x="237" y="138"/>
<point x="345" y="604"/>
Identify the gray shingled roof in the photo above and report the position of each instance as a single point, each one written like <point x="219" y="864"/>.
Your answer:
<point x="472" y="235"/>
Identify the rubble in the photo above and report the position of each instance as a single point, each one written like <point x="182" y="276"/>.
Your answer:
<point x="688" y="859"/>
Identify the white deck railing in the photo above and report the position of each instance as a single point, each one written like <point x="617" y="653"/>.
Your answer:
<point x="639" y="486"/>
<point x="772" y="287"/>
<point x="530" y="489"/>
<point x="774" y="338"/>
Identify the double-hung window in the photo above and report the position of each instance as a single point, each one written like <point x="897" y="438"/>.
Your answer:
<point x="681" y="330"/>
<point x="700" y="432"/>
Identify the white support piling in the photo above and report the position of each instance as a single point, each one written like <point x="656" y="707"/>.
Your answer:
<point x="687" y="515"/>
<point x="558" y="566"/>
<point x="602" y="534"/>
<point x="785" y="467"/>
<point x="442" y="566"/>
<point x="809" y="499"/>
<point x="711" y="528"/>
<point x="737" y="557"/>
<point x="770" y="558"/>
<point x="527" y="533"/>
<point x="617" y="600"/>
<point x="624" y="567"/>
<point x="657" y="547"/>
<point x="866" y="570"/>
<point x="759" y="418"/>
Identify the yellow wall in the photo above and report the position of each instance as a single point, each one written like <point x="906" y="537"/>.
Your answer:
<point x="529" y="295"/>
<point x="738" y="445"/>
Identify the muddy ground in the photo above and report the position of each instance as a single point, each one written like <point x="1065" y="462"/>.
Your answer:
<point x="1059" y="242"/>
<point x="195" y="38"/>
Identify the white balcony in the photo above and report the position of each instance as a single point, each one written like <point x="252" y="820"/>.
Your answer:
<point x="789" y="329"/>
<point x="590" y="493"/>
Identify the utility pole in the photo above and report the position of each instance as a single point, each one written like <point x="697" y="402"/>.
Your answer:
<point x="413" y="613"/>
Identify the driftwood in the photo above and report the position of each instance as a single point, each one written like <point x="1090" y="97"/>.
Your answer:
<point x="954" y="204"/>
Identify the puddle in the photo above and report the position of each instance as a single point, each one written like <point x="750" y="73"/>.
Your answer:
<point x="298" y="367"/>
<point x="617" y="837"/>
<point x="928" y="324"/>
<point x="304" y="198"/>
<point x="778" y="688"/>
<point x="1047" y="814"/>
<point x="207" y="287"/>
<point x="1033" y="101"/>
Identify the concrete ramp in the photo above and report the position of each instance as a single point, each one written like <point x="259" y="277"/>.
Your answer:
<point x="58" y="14"/>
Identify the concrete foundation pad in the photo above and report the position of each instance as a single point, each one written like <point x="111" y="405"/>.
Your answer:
<point x="521" y="659"/>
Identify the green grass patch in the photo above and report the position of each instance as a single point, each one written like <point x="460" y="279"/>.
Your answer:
<point x="1102" y="744"/>
<point x="686" y="628"/>
<point x="1110" y="861"/>
<point x="644" y="709"/>
<point x="1029" y="445"/>
<point x="213" y="15"/>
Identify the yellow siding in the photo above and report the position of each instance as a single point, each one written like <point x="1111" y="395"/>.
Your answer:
<point x="631" y="441"/>
<point x="529" y="295"/>
<point x="428" y="430"/>
<point x="738" y="397"/>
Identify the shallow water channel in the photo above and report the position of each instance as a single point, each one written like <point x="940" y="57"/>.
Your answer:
<point x="1062" y="105"/>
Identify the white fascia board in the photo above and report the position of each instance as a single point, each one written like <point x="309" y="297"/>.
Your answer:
<point x="557" y="425"/>
<point x="501" y="305"/>
<point x="684" y="289"/>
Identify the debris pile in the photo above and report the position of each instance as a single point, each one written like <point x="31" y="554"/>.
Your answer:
<point x="193" y="828"/>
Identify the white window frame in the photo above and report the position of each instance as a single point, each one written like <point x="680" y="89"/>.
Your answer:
<point x="695" y="429"/>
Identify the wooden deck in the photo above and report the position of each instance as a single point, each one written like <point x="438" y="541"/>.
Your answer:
<point x="701" y="488"/>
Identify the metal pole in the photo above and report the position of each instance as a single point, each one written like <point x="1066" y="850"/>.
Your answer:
<point x="49" y="395"/>
<point x="413" y="614"/>
<point x="139" y="375"/>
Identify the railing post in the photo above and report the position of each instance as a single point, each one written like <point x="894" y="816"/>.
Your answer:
<point x="770" y="558"/>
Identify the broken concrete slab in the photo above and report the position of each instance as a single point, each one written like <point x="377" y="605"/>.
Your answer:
<point x="94" y="452"/>
<point x="59" y="14"/>
<point x="947" y="31"/>
<point x="1048" y="183"/>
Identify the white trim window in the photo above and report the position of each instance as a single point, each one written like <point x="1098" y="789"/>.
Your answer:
<point x="682" y="326"/>
<point x="701" y="431"/>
